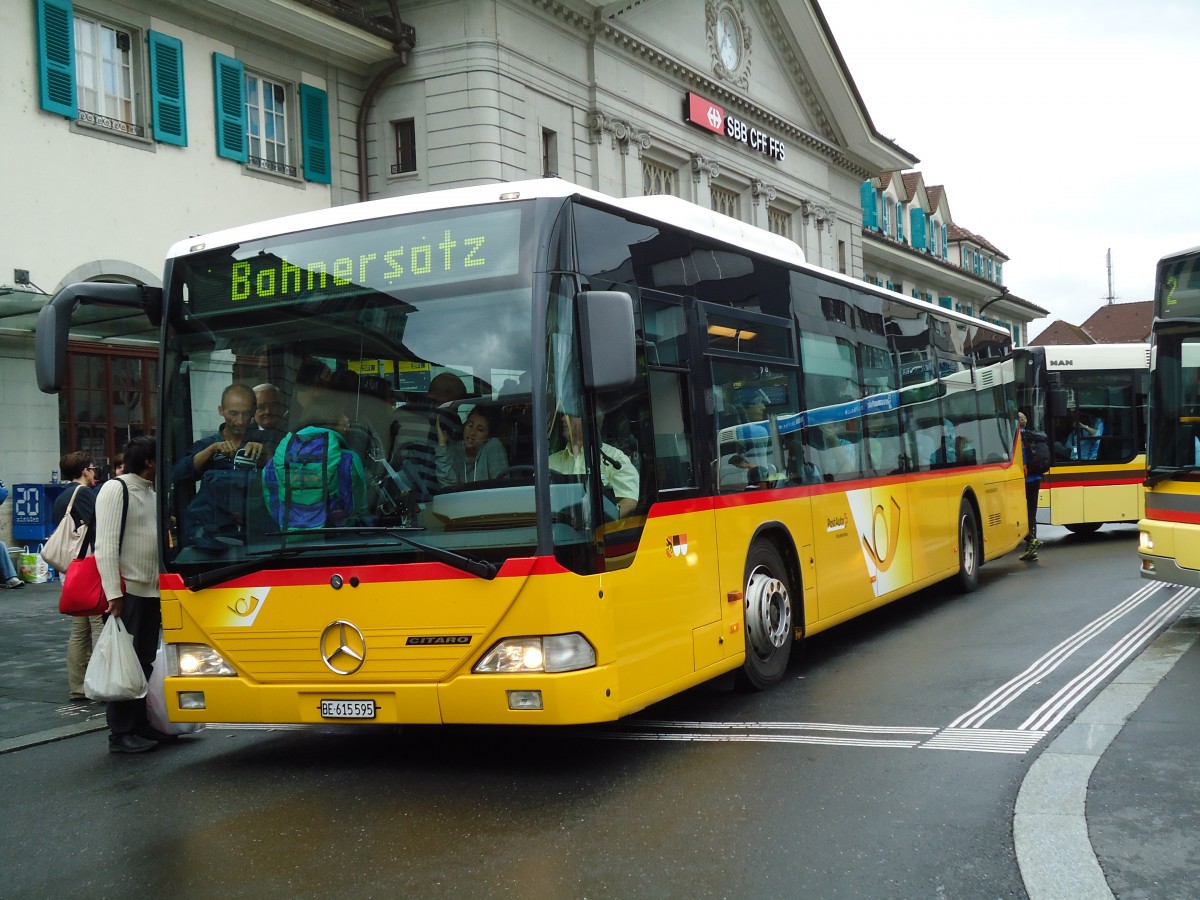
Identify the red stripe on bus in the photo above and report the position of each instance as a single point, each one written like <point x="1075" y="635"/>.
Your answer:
<point x="1063" y="482"/>
<point x="517" y="567"/>
<point x="1173" y="515"/>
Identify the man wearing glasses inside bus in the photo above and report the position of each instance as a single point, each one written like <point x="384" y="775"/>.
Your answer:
<point x="617" y="471"/>
<point x="270" y="417"/>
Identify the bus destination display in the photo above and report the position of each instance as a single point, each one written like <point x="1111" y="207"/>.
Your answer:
<point x="394" y="258"/>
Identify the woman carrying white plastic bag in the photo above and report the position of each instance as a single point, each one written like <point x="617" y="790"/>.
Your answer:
<point x="127" y="548"/>
<point x="114" y="672"/>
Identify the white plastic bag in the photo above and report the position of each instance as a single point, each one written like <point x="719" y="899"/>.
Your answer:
<point x="31" y="568"/>
<point x="113" y="672"/>
<point x="156" y="698"/>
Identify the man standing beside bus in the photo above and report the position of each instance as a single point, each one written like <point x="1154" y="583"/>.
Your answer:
<point x="1035" y="448"/>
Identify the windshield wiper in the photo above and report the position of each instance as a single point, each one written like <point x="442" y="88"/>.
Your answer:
<point x="481" y="568"/>
<point x="1164" y="474"/>
<point x="225" y="573"/>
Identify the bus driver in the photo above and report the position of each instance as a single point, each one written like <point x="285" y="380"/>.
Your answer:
<point x="616" y="469"/>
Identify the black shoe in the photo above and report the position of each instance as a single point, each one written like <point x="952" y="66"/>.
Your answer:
<point x="153" y="734"/>
<point x="130" y="743"/>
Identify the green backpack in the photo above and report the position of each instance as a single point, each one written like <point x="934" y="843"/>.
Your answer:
<point x="309" y="482"/>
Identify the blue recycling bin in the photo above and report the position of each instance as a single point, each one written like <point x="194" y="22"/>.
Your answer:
<point x="33" y="508"/>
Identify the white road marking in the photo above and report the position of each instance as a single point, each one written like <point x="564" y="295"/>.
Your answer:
<point x="1011" y="690"/>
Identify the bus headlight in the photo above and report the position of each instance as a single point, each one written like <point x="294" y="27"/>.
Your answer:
<point x="196" y="659"/>
<point x="548" y="653"/>
<point x="1145" y="541"/>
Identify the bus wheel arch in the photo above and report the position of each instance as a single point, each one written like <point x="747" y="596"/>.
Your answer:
<point x="969" y="539"/>
<point x="772" y="608"/>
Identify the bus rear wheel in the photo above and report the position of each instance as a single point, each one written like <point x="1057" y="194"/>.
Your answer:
<point x="770" y="619"/>
<point x="1083" y="527"/>
<point x="970" y="548"/>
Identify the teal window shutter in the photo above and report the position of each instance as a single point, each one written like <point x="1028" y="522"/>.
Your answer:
<point x="916" y="293"/>
<point x="229" y="84"/>
<point x="166" y="89"/>
<point x="918" y="227"/>
<point x="314" y="126"/>
<point x="870" y="217"/>
<point x="883" y="213"/>
<point x="56" y="57"/>
<point x="999" y="273"/>
<point x="945" y="302"/>
<point x="945" y="243"/>
<point x="900" y="221"/>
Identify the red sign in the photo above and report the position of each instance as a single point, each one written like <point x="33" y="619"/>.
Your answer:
<point x="705" y="114"/>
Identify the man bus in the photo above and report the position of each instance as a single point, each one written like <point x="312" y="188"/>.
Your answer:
<point x="1090" y="401"/>
<point x="1169" y="535"/>
<point x="539" y="596"/>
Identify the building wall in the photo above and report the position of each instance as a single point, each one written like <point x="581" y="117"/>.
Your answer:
<point x="487" y="77"/>
<point x="82" y="202"/>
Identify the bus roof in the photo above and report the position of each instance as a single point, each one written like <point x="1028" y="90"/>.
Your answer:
<point x="675" y="211"/>
<point x="671" y="210"/>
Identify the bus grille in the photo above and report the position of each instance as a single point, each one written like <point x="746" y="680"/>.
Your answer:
<point x="295" y="656"/>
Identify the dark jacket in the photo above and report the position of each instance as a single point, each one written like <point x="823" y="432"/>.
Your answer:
<point x="84" y="510"/>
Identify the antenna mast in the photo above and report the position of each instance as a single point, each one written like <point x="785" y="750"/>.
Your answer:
<point x="1108" y="262"/>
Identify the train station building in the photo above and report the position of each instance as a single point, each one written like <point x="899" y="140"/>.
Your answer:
<point x="139" y="123"/>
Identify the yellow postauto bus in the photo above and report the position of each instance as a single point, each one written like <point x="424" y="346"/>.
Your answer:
<point x="607" y="360"/>
<point x="1169" y="534"/>
<point x="1090" y="401"/>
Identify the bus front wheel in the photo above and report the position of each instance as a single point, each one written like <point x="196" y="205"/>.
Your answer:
<point x="970" y="548"/>
<point x="770" y="619"/>
<point x="1084" y="527"/>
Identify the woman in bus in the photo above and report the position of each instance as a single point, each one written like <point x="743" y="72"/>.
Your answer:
<point x="477" y="457"/>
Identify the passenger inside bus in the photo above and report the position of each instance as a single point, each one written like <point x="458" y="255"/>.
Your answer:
<point x="477" y="456"/>
<point x="226" y="463"/>
<point x="414" y="435"/>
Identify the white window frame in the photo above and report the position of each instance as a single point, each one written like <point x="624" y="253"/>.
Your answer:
<point x="108" y="80"/>
<point x="274" y="152"/>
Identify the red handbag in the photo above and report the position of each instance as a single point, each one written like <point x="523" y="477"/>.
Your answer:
<point x="82" y="591"/>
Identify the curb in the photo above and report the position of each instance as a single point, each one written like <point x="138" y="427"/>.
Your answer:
<point x="1050" y="832"/>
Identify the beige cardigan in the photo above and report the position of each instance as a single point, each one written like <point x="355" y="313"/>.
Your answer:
<point x="138" y="563"/>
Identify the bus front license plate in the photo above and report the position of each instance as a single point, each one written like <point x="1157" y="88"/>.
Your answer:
<point x="347" y="709"/>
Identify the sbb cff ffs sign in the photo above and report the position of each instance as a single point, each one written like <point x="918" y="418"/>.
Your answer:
<point x="707" y="115"/>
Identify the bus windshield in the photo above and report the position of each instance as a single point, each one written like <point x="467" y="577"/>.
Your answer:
<point x="329" y="387"/>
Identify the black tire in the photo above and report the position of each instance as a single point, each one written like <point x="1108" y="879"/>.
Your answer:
<point x="970" y="549"/>
<point x="769" y="625"/>
<point x="1084" y="527"/>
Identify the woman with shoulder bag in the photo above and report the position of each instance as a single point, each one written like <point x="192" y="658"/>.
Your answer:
<point x="77" y="467"/>
<point x="132" y="557"/>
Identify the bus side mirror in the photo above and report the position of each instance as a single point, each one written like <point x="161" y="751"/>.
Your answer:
<point x="54" y="322"/>
<point x="607" y="336"/>
<point x="50" y="345"/>
<point x="1058" y="404"/>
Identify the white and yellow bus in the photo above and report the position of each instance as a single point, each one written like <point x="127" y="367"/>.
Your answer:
<point x="1169" y="534"/>
<point x="1090" y="400"/>
<point x="623" y="352"/>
